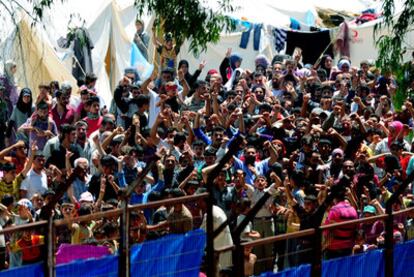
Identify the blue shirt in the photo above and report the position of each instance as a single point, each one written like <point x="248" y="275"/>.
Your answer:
<point x="261" y="167"/>
<point x="143" y="198"/>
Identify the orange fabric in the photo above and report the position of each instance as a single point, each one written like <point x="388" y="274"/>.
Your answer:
<point x="30" y="249"/>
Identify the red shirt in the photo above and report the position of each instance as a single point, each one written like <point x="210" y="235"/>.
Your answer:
<point x="93" y="124"/>
<point x="404" y="160"/>
<point x="30" y="249"/>
<point x="17" y="163"/>
<point x="67" y="117"/>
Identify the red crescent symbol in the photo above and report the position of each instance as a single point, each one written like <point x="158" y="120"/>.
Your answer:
<point x="355" y="33"/>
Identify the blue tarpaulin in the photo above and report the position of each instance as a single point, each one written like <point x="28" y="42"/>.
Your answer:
<point x="180" y="255"/>
<point x="33" y="270"/>
<point x="172" y="255"/>
<point x="367" y="264"/>
<point x="403" y="259"/>
<point x="300" y="271"/>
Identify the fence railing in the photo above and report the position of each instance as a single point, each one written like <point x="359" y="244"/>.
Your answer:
<point x="51" y="230"/>
<point x="314" y="239"/>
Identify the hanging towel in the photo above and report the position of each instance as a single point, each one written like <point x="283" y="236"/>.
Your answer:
<point x="342" y="40"/>
<point x="82" y="51"/>
<point x="311" y="43"/>
<point x="294" y="24"/>
<point x="256" y="36"/>
<point x="245" y="36"/>
<point x="280" y="39"/>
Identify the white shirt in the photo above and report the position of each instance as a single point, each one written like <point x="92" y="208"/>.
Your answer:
<point x="153" y="109"/>
<point x="223" y="239"/>
<point x="382" y="146"/>
<point x="34" y="183"/>
<point x="255" y="195"/>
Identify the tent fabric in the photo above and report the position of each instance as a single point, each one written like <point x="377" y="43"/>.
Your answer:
<point x="31" y="59"/>
<point x="362" y="42"/>
<point x="215" y="52"/>
<point x="111" y="26"/>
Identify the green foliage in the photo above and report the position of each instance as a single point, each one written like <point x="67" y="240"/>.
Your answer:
<point x="39" y="7"/>
<point x="391" y="46"/>
<point x="190" y="19"/>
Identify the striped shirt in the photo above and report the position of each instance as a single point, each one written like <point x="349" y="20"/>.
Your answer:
<point x="341" y="237"/>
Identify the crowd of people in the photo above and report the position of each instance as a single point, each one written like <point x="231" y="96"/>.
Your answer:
<point x="325" y="140"/>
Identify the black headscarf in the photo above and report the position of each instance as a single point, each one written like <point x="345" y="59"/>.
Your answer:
<point x="23" y="107"/>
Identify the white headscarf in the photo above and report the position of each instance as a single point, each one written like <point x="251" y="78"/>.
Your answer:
<point x="229" y="84"/>
<point x="8" y="71"/>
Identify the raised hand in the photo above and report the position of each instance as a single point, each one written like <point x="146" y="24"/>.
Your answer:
<point x="228" y="52"/>
<point x="202" y="65"/>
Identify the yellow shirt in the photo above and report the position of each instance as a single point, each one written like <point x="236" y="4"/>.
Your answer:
<point x="11" y="188"/>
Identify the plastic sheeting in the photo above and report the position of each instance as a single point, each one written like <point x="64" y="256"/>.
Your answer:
<point x="403" y="259"/>
<point x="300" y="271"/>
<point x="33" y="66"/>
<point x="367" y="264"/>
<point x="172" y="255"/>
<point x="107" y="266"/>
<point x="33" y="270"/>
<point x="69" y="252"/>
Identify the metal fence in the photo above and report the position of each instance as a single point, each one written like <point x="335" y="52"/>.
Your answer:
<point x="313" y="247"/>
<point x="42" y="240"/>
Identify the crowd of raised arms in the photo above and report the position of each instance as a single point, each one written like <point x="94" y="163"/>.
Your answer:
<point x="324" y="140"/>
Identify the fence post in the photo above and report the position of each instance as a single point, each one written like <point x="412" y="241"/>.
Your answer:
<point x="50" y="247"/>
<point x="125" y="193"/>
<point x="238" y="257"/>
<point x="389" y="243"/>
<point x="233" y="148"/>
<point x="316" y="267"/>
<point x="123" y="265"/>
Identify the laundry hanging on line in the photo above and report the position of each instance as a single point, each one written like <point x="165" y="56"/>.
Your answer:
<point x="257" y="29"/>
<point x="280" y="38"/>
<point x="311" y="43"/>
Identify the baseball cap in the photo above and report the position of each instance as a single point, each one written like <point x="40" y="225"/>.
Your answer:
<point x="317" y="111"/>
<point x="212" y="71"/>
<point x="325" y="141"/>
<point x="338" y="151"/>
<point x="8" y="167"/>
<point x="310" y="197"/>
<point x="42" y="105"/>
<point x="370" y="209"/>
<point x="49" y="192"/>
<point x="25" y="202"/>
<point x="86" y="197"/>
<point x="108" y="120"/>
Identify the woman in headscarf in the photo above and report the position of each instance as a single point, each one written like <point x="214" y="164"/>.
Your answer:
<point x="343" y="67"/>
<point x="326" y="64"/>
<point x="23" y="110"/>
<point x="191" y="79"/>
<point x="395" y="132"/>
<point x="8" y="81"/>
<point x="229" y="64"/>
